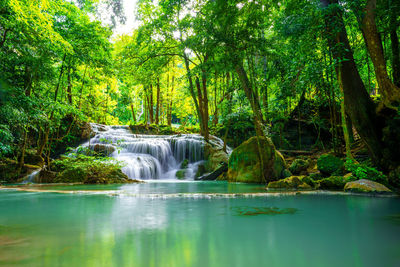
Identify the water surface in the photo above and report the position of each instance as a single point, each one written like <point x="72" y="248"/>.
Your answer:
<point x="102" y="229"/>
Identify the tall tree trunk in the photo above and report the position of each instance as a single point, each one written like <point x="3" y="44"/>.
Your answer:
<point x="151" y="104"/>
<point x="69" y="87"/>
<point x="395" y="48"/>
<point x="158" y="101"/>
<point x="133" y="113"/>
<point x="357" y="102"/>
<point x="255" y="105"/>
<point x="28" y="81"/>
<point x="390" y="92"/>
<point x="205" y="105"/>
<point x="191" y="89"/>
<point x="81" y="91"/>
<point x="169" y="111"/>
<point x="201" y="105"/>
<point x="21" y="159"/>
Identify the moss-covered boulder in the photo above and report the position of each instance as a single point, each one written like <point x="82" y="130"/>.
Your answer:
<point x="88" y="170"/>
<point x="181" y="174"/>
<point x="293" y="182"/>
<point x="201" y="169"/>
<point x="298" y="166"/>
<point x="245" y="162"/>
<point x="103" y="150"/>
<point x="329" y="164"/>
<point x="184" y="164"/>
<point x="335" y="182"/>
<point x="215" y="156"/>
<point x="366" y="186"/>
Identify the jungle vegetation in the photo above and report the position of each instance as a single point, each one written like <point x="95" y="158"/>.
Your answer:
<point x="230" y="68"/>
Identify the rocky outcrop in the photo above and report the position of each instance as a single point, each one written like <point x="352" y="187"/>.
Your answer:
<point x="103" y="149"/>
<point x="366" y="186"/>
<point x="293" y="182"/>
<point x="245" y="162"/>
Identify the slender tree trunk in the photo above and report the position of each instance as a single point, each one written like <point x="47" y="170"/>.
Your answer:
<point x="81" y="91"/>
<point x="133" y="113"/>
<point x="151" y="104"/>
<point x="28" y="81"/>
<point x="69" y="87"/>
<point x="344" y="121"/>
<point x="191" y="89"/>
<point x="395" y="48"/>
<point x="390" y="92"/>
<point x="255" y="106"/>
<point x="158" y="101"/>
<point x="357" y="102"/>
<point x="21" y="160"/>
<point x="201" y="106"/>
<point x="169" y="115"/>
<point x="205" y="105"/>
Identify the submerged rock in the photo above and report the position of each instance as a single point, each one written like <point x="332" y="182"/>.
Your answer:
<point x="366" y="186"/>
<point x="329" y="164"/>
<point x="293" y="182"/>
<point x="245" y="162"/>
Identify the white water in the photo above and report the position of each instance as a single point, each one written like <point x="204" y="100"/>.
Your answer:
<point x="31" y="177"/>
<point x="151" y="156"/>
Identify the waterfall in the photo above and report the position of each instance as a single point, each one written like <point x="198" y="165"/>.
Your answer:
<point x="149" y="156"/>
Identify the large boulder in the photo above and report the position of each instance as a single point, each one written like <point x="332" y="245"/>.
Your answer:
<point x="103" y="150"/>
<point x="366" y="186"/>
<point x="245" y="162"/>
<point x="329" y="164"/>
<point x="293" y="182"/>
<point x="215" y="156"/>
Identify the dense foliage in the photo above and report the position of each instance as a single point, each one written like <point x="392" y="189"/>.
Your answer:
<point x="293" y="70"/>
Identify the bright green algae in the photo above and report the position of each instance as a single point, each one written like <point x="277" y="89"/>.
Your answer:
<point x="50" y="229"/>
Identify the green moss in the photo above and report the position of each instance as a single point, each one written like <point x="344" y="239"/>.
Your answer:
<point x="184" y="164"/>
<point x="335" y="182"/>
<point x="245" y="162"/>
<point x="298" y="166"/>
<point x="293" y="182"/>
<point x="181" y="174"/>
<point x="329" y="164"/>
<point x="89" y="170"/>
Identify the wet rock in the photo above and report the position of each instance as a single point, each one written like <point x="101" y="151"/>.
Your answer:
<point x="184" y="164"/>
<point x="214" y="156"/>
<point x="103" y="150"/>
<point x="181" y="174"/>
<point x="334" y="182"/>
<point x="201" y="169"/>
<point x="329" y="164"/>
<point x="293" y="182"/>
<point x="245" y="162"/>
<point x="46" y="176"/>
<point x="366" y="186"/>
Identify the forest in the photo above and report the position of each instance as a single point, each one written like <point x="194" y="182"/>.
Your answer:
<point x="199" y="133"/>
<point x="312" y="76"/>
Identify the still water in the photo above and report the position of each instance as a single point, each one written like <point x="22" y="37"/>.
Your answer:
<point x="188" y="224"/>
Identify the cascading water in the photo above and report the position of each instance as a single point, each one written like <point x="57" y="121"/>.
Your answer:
<point x="150" y="156"/>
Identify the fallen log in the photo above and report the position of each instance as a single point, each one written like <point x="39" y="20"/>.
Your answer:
<point x="214" y="175"/>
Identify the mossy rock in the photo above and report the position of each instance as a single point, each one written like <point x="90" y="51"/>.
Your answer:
<point x="184" y="164"/>
<point x="214" y="157"/>
<point x="329" y="164"/>
<point x="293" y="182"/>
<point x="316" y="176"/>
<point x="245" y="162"/>
<point x="201" y="169"/>
<point x="181" y="174"/>
<point x="334" y="182"/>
<point x="298" y="166"/>
<point x="366" y="186"/>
